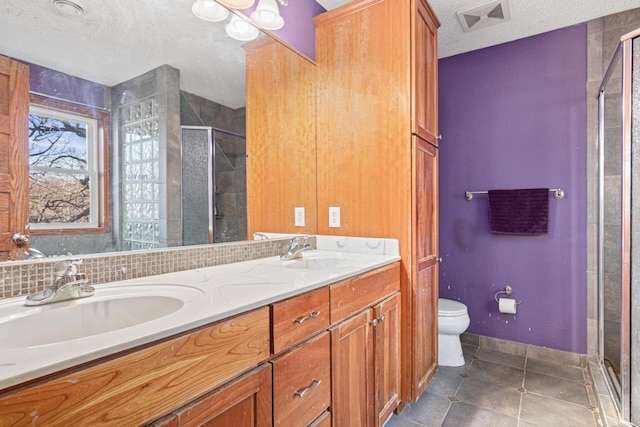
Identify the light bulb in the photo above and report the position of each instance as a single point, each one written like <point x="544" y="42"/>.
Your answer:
<point x="209" y="10"/>
<point x="240" y="29"/>
<point x="267" y="16"/>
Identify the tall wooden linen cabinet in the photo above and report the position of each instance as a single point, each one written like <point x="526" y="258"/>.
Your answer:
<point x="377" y="148"/>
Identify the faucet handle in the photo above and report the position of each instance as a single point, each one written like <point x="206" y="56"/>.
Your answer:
<point x="296" y="242"/>
<point x="67" y="267"/>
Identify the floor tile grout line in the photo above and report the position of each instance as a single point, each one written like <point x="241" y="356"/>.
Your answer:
<point x="524" y="373"/>
<point x="466" y="368"/>
<point x="520" y="408"/>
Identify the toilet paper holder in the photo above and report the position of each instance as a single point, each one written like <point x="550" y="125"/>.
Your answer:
<point x="508" y="290"/>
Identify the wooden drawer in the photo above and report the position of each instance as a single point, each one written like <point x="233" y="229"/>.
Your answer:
<point x="298" y="318"/>
<point x="302" y="383"/>
<point x="140" y="386"/>
<point x="353" y="295"/>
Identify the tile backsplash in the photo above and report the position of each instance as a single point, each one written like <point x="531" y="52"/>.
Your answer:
<point x="25" y="277"/>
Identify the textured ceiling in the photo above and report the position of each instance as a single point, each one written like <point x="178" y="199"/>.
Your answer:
<point x="117" y="40"/>
<point x="528" y="17"/>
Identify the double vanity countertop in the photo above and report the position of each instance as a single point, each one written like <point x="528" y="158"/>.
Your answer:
<point x="40" y="340"/>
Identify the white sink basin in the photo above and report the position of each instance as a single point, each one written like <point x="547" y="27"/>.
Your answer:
<point x="111" y="308"/>
<point x="316" y="261"/>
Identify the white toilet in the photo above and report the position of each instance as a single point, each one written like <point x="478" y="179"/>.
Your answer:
<point x="453" y="320"/>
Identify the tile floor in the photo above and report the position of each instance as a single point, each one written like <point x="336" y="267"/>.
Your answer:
<point x="496" y="389"/>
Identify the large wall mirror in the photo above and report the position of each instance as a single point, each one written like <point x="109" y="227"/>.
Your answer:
<point x="137" y="123"/>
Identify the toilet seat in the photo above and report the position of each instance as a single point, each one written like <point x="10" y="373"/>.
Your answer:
<point x="449" y="308"/>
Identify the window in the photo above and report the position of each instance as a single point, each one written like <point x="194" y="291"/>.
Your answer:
<point x="67" y="168"/>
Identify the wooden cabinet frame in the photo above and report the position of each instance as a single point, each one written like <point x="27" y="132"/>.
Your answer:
<point x="217" y="375"/>
<point x="376" y="63"/>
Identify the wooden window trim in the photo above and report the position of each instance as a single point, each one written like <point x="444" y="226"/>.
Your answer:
<point x="103" y="128"/>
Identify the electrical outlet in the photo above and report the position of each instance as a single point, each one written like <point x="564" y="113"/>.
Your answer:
<point x="299" y="217"/>
<point x="334" y="217"/>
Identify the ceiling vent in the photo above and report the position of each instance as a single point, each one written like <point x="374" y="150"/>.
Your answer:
<point x="484" y="16"/>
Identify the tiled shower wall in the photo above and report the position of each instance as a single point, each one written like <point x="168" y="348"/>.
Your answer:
<point x="24" y="277"/>
<point x="145" y="149"/>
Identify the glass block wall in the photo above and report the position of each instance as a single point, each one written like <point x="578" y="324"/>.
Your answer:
<point x="140" y="177"/>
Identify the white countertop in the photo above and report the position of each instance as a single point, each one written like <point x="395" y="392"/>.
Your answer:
<point x="214" y="293"/>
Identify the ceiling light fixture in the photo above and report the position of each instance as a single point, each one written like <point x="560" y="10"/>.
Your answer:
<point x="209" y="10"/>
<point x="237" y="4"/>
<point x="267" y="16"/>
<point x="68" y="7"/>
<point x="240" y="29"/>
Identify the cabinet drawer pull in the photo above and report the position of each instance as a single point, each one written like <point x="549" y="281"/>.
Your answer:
<point x="312" y="315"/>
<point x="381" y="319"/>
<point x="373" y="322"/>
<point x="314" y="385"/>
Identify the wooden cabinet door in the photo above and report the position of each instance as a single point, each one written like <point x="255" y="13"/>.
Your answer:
<point x="425" y="347"/>
<point x="245" y="402"/>
<point x="425" y="271"/>
<point x="14" y="155"/>
<point x="387" y="357"/>
<point x="352" y="371"/>
<point x="364" y="115"/>
<point x="424" y="84"/>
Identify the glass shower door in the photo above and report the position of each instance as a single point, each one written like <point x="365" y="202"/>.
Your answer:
<point x="214" y="186"/>
<point x="610" y="223"/>
<point x="619" y="223"/>
<point x="197" y="185"/>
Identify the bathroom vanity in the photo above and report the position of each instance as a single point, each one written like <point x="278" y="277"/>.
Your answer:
<point x="310" y="341"/>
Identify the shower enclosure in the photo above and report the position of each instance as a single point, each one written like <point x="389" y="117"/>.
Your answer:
<point x="213" y="185"/>
<point x="619" y="226"/>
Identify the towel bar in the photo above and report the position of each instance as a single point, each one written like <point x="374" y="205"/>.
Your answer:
<point x="559" y="193"/>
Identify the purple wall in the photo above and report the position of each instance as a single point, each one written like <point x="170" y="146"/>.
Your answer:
<point x="514" y="116"/>
<point x="298" y="31"/>
<point x="54" y="83"/>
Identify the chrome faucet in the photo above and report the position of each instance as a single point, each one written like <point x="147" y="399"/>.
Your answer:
<point x="67" y="284"/>
<point x="33" y="253"/>
<point x="295" y="249"/>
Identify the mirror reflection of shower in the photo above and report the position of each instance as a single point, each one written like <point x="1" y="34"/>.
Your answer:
<point x="213" y="185"/>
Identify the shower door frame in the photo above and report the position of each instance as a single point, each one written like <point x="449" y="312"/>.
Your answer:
<point x="624" y="49"/>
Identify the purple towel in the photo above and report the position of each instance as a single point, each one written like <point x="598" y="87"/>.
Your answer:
<point x="519" y="211"/>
